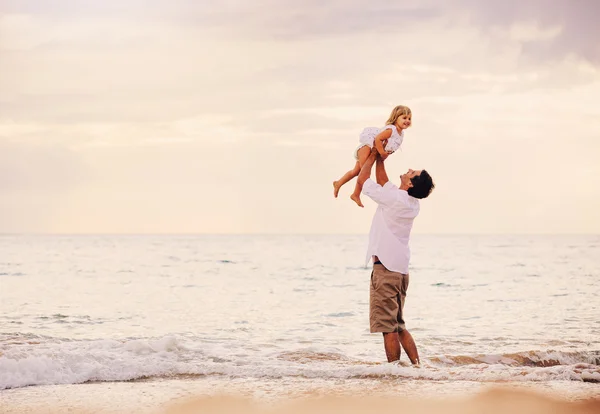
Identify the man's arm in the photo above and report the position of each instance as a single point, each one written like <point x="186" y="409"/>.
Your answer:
<point x="373" y="190"/>
<point x="380" y="172"/>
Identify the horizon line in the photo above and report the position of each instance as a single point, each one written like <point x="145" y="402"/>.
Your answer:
<point x="276" y="234"/>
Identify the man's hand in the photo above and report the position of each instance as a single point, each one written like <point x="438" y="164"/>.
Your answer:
<point x="381" y="157"/>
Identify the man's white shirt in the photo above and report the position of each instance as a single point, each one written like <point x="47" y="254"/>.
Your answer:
<point x="391" y="226"/>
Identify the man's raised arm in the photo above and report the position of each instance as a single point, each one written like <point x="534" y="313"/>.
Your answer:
<point x="376" y="191"/>
<point x="380" y="172"/>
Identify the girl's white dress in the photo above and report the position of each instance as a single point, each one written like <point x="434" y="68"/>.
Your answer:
<point x="367" y="138"/>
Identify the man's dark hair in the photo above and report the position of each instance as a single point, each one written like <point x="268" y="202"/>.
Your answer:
<point x="422" y="185"/>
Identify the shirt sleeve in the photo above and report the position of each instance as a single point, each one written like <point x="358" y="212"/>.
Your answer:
<point x="382" y="195"/>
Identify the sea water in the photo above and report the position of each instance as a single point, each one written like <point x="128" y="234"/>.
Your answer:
<point x="276" y="315"/>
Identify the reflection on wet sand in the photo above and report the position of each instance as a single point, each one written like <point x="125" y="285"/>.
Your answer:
<point x="498" y="400"/>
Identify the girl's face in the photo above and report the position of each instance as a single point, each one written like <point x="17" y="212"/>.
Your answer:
<point x="404" y="121"/>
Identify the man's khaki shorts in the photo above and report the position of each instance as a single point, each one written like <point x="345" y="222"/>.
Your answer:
<point x="387" y="297"/>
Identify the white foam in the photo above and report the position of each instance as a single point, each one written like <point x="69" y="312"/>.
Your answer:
<point x="53" y="361"/>
<point x="81" y="361"/>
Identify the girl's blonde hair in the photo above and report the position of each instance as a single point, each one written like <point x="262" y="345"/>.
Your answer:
<point x="397" y="112"/>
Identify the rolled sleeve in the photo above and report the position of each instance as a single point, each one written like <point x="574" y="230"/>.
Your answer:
<point x="382" y="195"/>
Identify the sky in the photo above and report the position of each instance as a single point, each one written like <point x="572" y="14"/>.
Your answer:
<point x="233" y="116"/>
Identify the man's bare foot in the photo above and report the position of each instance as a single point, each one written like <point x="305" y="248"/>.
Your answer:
<point x="356" y="199"/>
<point x="336" y="189"/>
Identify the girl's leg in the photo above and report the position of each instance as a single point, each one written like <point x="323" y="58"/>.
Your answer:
<point x="345" y="178"/>
<point x="363" y="154"/>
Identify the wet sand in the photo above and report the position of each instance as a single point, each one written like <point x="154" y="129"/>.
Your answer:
<point x="164" y="397"/>
<point x="500" y="401"/>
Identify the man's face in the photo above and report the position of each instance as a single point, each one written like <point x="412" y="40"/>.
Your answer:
<point x="405" y="178"/>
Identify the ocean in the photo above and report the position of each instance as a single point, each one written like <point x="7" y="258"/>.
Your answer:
<point x="116" y="322"/>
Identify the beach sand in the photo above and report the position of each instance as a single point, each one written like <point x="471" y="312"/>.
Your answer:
<point x="489" y="400"/>
<point x="500" y="401"/>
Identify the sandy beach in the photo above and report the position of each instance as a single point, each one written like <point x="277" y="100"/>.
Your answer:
<point x="158" y="399"/>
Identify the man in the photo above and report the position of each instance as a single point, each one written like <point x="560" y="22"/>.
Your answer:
<point x="388" y="247"/>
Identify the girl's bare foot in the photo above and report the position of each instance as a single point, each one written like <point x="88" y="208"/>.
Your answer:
<point x="356" y="199"/>
<point x="336" y="189"/>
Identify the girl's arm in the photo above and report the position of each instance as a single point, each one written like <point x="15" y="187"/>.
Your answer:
<point x="378" y="143"/>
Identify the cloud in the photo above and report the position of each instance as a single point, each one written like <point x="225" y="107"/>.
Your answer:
<point x="140" y="116"/>
<point x="34" y="168"/>
<point x="556" y="28"/>
<point x="35" y="180"/>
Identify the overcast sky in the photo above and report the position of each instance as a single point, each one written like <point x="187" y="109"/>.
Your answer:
<point x="235" y="116"/>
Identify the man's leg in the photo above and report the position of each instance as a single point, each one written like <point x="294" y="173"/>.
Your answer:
<point x="392" y="342"/>
<point x="392" y="346"/>
<point x="409" y="346"/>
<point x="386" y="302"/>
<point x="406" y="339"/>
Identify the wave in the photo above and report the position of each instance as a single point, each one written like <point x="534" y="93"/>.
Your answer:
<point x="525" y="359"/>
<point x="28" y="360"/>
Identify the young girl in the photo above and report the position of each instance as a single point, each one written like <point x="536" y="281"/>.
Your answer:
<point x="387" y="140"/>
